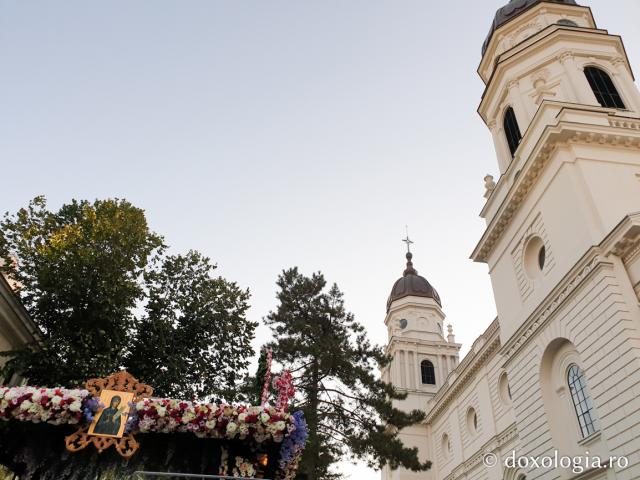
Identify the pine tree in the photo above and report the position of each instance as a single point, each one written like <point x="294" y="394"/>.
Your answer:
<point x="347" y="407"/>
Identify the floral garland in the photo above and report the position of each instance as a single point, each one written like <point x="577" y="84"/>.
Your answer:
<point x="56" y="406"/>
<point x="59" y="406"/>
<point x="209" y="420"/>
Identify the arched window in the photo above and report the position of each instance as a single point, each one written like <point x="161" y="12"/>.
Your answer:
<point x="428" y="373"/>
<point x="511" y="130"/>
<point x="567" y="23"/>
<point x="603" y="88"/>
<point x="581" y="400"/>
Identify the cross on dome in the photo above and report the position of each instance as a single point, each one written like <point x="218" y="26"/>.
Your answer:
<point x="407" y="240"/>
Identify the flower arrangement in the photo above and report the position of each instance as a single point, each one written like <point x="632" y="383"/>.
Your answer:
<point x="60" y="406"/>
<point x="209" y="420"/>
<point x="51" y="405"/>
<point x="293" y="445"/>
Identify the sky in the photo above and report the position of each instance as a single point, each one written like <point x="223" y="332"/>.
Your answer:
<point x="270" y="134"/>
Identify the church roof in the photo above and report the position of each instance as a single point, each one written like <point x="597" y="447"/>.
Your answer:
<point x="412" y="284"/>
<point x="511" y="10"/>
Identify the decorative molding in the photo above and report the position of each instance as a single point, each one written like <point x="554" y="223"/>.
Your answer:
<point x="544" y="43"/>
<point x="542" y="88"/>
<point x="485" y="346"/>
<point x="617" y="61"/>
<point x="525" y="283"/>
<point x="489" y="185"/>
<point x="496" y="442"/>
<point x="619" y="133"/>
<point x="566" y="56"/>
<point x="550" y="305"/>
<point x="624" y="241"/>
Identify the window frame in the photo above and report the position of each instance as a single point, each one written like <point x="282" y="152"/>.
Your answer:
<point x="512" y="131"/>
<point x="581" y="400"/>
<point x="604" y="88"/>
<point x="425" y="365"/>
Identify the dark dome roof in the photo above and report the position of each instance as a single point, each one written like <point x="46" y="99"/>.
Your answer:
<point x="511" y="11"/>
<point x="412" y="284"/>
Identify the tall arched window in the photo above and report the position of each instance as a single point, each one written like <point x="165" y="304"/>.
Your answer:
<point x="511" y="130"/>
<point x="581" y="400"/>
<point x="603" y="88"/>
<point x="428" y="373"/>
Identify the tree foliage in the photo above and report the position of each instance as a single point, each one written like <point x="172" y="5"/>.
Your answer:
<point x="347" y="407"/>
<point x="97" y="282"/>
<point x="194" y="336"/>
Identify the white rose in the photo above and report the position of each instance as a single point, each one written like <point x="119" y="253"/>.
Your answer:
<point x="232" y="427"/>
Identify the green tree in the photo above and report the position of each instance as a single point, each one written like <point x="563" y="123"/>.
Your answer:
<point x="194" y="339"/>
<point x="79" y="273"/>
<point x="347" y="407"/>
<point x="99" y="285"/>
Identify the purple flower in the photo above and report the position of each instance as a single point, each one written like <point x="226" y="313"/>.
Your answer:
<point x="90" y="407"/>
<point x="294" y="442"/>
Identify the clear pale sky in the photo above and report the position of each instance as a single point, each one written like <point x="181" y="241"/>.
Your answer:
<point x="269" y="134"/>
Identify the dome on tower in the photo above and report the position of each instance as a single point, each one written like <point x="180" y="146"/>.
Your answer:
<point x="412" y="284"/>
<point x="512" y="10"/>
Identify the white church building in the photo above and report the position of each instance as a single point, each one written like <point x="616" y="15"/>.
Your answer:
<point x="554" y="381"/>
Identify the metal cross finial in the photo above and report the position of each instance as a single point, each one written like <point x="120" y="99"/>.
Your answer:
<point x="407" y="240"/>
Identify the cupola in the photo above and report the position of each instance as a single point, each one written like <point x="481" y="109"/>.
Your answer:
<point x="412" y="285"/>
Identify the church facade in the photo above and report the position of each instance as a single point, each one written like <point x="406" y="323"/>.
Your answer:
<point x="551" y="389"/>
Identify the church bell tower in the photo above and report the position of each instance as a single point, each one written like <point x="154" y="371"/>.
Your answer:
<point x="564" y="113"/>
<point x="562" y="237"/>
<point x="423" y="354"/>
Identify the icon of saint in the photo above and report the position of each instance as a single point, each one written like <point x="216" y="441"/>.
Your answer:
<point x="111" y="418"/>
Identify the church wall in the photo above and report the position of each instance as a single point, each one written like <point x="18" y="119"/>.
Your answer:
<point x="612" y="177"/>
<point x="494" y="414"/>
<point x="558" y="211"/>
<point x="599" y="321"/>
<point x="574" y="205"/>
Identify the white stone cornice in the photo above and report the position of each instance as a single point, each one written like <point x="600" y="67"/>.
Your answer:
<point x="624" y="131"/>
<point x="508" y="435"/>
<point x="624" y="240"/>
<point x="549" y="41"/>
<point x="509" y="36"/>
<point x="483" y="349"/>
